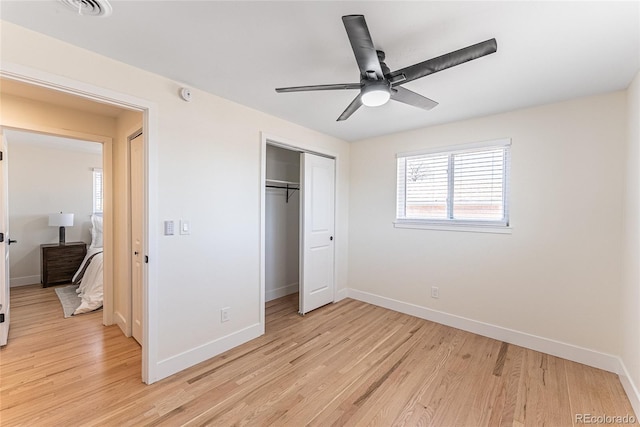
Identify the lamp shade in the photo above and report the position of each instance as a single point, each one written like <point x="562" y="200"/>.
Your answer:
<point x="61" y="219"/>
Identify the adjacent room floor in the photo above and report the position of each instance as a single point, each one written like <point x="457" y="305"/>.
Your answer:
<point x="348" y="363"/>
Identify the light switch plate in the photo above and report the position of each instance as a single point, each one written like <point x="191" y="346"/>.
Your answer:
<point x="185" y="226"/>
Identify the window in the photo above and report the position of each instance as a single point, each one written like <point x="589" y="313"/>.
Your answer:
<point x="463" y="186"/>
<point x="98" y="195"/>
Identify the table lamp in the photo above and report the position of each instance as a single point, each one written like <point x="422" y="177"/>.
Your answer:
<point x="61" y="220"/>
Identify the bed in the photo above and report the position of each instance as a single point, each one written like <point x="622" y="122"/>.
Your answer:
<point x="89" y="276"/>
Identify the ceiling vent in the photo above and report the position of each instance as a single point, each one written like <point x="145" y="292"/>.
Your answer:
<point x="89" y="7"/>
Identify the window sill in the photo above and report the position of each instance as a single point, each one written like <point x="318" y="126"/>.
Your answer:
<point x="495" y="229"/>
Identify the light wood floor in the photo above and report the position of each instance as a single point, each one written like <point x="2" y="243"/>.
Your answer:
<point x="348" y="363"/>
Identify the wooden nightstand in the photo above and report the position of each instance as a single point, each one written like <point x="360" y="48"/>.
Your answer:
<point x="60" y="262"/>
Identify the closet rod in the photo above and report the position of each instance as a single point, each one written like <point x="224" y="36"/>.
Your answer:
<point x="284" y="188"/>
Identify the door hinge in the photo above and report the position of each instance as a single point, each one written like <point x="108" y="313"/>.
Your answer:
<point x="1" y="237"/>
<point x="0" y="155"/>
<point x="1" y="317"/>
<point x="146" y="259"/>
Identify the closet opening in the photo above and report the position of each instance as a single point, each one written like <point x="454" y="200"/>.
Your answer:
<point x="298" y="227"/>
<point x="79" y="110"/>
<point x="282" y="223"/>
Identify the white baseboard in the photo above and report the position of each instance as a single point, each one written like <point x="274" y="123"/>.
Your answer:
<point x="281" y="291"/>
<point x="342" y="294"/>
<point x="206" y="351"/>
<point x="23" y="281"/>
<point x="571" y="352"/>
<point x="630" y="388"/>
<point x="122" y="323"/>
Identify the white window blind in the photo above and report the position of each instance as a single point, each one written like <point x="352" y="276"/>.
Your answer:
<point x="465" y="185"/>
<point x="98" y="193"/>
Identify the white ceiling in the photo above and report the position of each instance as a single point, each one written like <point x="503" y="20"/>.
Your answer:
<point x="547" y="52"/>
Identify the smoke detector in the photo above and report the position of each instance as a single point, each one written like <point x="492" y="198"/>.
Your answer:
<point x="100" y="8"/>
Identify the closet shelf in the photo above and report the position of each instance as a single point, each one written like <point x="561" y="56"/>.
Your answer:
<point x="277" y="181"/>
<point x="284" y="185"/>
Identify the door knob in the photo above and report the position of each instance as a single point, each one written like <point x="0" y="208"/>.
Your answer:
<point x="331" y="238"/>
<point x="11" y="241"/>
<point x="136" y="253"/>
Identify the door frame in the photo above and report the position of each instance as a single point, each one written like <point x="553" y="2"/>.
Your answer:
<point x="5" y="244"/>
<point x="149" y="112"/>
<point x="107" y="162"/>
<point x="268" y="139"/>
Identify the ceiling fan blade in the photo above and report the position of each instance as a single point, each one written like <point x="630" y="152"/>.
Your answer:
<point x="355" y="104"/>
<point x="411" y="98"/>
<point x="445" y="61"/>
<point x="362" y="45"/>
<point x="338" y="86"/>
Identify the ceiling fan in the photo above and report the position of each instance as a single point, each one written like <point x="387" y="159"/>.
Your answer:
<point x="378" y="83"/>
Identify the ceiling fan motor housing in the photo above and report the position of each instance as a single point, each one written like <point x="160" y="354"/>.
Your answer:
<point x="375" y="92"/>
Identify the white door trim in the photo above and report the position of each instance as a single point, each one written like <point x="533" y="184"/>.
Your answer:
<point x="5" y="292"/>
<point x="150" y="125"/>
<point x="277" y="141"/>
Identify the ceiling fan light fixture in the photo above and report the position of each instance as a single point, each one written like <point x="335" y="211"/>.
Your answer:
<point x="375" y="94"/>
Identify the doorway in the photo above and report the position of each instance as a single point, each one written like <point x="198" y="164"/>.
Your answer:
<point x="298" y="225"/>
<point x="96" y="99"/>
<point x="51" y="174"/>
<point x="282" y="222"/>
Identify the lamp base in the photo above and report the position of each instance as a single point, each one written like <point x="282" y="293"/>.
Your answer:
<point x="61" y="240"/>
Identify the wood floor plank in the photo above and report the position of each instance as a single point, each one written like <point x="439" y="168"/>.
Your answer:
<point x="348" y="363"/>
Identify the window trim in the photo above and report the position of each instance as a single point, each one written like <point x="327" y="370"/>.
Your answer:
<point x="449" y="226"/>
<point x="94" y="173"/>
<point x="452" y="224"/>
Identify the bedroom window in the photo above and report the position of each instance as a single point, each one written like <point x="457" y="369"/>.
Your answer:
<point x="464" y="186"/>
<point x="98" y="195"/>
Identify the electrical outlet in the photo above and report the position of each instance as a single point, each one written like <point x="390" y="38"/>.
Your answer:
<point x="435" y="292"/>
<point x="224" y="314"/>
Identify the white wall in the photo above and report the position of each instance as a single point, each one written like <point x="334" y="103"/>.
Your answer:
<point x="282" y="222"/>
<point x="208" y="163"/>
<point x="557" y="275"/>
<point x="630" y="306"/>
<point x="44" y="180"/>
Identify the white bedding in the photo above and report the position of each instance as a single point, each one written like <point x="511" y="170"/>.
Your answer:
<point x="90" y="289"/>
<point x="90" y="252"/>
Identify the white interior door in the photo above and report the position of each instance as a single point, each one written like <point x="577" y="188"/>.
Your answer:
<point x="136" y="147"/>
<point x="317" y="231"/>
<point x="4" y="245"/>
